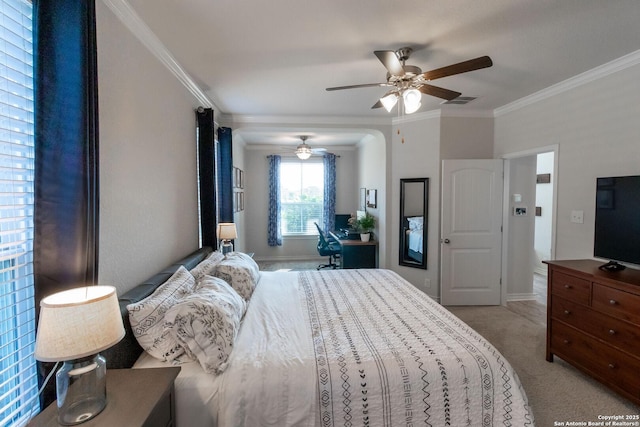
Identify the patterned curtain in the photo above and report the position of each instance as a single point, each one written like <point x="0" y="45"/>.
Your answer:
<point x="274" y="229"/>
<point x="329" y="208"/>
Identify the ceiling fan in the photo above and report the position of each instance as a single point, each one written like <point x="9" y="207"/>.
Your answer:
<point x="409" y="82"/>
<point x="304" y="150"/>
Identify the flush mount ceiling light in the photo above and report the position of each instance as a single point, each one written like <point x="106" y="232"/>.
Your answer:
<point x="303" y="151"/>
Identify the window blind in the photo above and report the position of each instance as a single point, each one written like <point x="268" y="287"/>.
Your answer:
<point x="301" y="194"/>
<point x="18" y="381"/>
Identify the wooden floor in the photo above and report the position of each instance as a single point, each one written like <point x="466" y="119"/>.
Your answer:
<point x="534" y="310"/>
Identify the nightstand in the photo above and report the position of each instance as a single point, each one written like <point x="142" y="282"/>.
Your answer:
<point x="135" y="398"/>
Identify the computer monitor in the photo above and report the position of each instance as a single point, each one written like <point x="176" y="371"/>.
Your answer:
<point x="342" y="221"/>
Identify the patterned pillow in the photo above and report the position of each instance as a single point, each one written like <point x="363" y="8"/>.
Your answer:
<point x="207" y="266"/>
<point x="147" y="317"/>
<point x="240" y="271"/>
<point x="206" y="323"/>
<point x="217" y="285"/>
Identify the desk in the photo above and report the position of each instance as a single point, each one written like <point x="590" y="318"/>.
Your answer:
<point x="356" y="253"/>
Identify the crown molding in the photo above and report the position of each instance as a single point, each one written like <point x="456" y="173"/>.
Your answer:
<point x="306" y="120"/>
<point x="433" y="114"/>
<point x="464" y="113"/>
<point x="604" y="70"/>
<point x="132" y="21"/>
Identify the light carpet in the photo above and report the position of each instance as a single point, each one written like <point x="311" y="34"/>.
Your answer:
<point x="558" y="393"/>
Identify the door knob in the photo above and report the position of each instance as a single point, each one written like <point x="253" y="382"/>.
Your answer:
<point x="447" y="241"/>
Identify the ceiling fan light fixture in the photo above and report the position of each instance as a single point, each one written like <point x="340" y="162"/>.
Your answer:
<point x="389" y="101"/>
<point x="303" y="151"/>
<point x="412" y="100"/>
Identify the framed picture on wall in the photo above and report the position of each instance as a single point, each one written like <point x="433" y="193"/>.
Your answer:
<point x="372" y="196"/>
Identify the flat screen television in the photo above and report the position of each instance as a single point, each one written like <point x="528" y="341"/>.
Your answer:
<point x="617" y="222"/>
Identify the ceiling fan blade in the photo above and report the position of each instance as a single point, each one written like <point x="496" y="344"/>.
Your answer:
<point x="358" y="86"/>
<point x="391" y="62"/>
<point x="439" y="92"/>
<point x="459" y="68"/>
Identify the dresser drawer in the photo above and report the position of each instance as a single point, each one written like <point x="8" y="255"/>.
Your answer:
<point x="616" y="303"/>
<point x="611" y="366"/>
<point x="621" y="334"/>
<point x="570" y="287"/>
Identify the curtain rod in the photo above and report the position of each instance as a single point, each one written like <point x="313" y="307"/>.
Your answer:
<point x="294" y="156"/>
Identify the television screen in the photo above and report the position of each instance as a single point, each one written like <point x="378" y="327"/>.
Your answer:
<point x="617" y="222"/>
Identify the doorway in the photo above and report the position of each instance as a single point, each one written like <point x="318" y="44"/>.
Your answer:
<point x="529" y="219"/>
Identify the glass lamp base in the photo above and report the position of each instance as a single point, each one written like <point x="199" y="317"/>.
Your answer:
<point x="227" y="247"/>
<point x="82" y="389"/>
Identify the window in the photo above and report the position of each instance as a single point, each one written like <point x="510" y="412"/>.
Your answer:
<point x="18" y="381"/>
<point x="302" y="194"/>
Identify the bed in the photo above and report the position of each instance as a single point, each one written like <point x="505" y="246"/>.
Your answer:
<point x="414" y="229"/>
<point x="346" y="347"/>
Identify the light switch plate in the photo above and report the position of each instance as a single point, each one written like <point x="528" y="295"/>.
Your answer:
<point x="577" y="217"/>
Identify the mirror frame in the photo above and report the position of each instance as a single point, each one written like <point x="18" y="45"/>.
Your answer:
<point x="403" y="258"/>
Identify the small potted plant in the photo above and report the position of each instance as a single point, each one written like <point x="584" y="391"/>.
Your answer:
<point x="366" y="224"/>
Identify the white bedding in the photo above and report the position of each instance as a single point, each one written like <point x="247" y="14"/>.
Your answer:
<point x="415" y="240"/>
<point x="361" y="347"/>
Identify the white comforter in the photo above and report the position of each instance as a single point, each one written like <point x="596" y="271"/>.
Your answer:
<point x="359" y="347"/>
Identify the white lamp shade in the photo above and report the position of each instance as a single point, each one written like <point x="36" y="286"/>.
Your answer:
<point x="412" y="100"/>
<point x="78" y="323"/>
<point x="389" y="101"/>
<point x="227" y="231"/>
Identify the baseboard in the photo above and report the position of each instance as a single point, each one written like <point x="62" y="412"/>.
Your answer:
<point x="521" y="297"/>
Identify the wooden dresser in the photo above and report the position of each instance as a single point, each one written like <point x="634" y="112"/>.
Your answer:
<point x="593" y="322"/>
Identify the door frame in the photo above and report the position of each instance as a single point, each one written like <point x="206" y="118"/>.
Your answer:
<point x="506" y="204"/>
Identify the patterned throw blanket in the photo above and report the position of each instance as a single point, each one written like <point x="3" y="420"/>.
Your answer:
<point x="388" y="355"/>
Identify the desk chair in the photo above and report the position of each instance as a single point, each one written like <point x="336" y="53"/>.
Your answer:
<point x="328" y="248"/>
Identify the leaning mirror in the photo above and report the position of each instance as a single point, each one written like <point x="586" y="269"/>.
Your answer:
<point x="414" y="194"/>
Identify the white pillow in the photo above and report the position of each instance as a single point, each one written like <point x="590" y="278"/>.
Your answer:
<point x="416" y="222"/>
<point x="207" y="266"/>
<point x="147" y="317"/>
<point x="206" y="323"/>
<point x="240" y="271"/>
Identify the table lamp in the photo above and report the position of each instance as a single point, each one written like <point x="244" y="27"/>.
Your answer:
<point x="74" y="327"/>
<point x="227" y="232"/>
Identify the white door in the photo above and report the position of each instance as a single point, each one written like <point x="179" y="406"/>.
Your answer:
<point x="471" y="234"/>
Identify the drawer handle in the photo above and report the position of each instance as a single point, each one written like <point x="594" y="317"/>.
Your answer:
<point x="612" y="365"/>
<point x="566" y="341"/>
<point x="567" y="286"/>
<point x="613" y="302"/>
<point x="567" y="312"/>
<point x="612" y="332"/>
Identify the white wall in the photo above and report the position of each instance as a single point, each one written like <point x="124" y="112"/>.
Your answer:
<point x="596" y="127"/>
<point x="239" y="217"/>
<point x="543" y="223"/>
<point x="373" y="174"/>
<point x="148" y="194"/>
<point x="415" y="153"/>
<point x="522" y="181"/>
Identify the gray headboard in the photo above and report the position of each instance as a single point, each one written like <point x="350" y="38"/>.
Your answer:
<point x="126" y="352"/>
